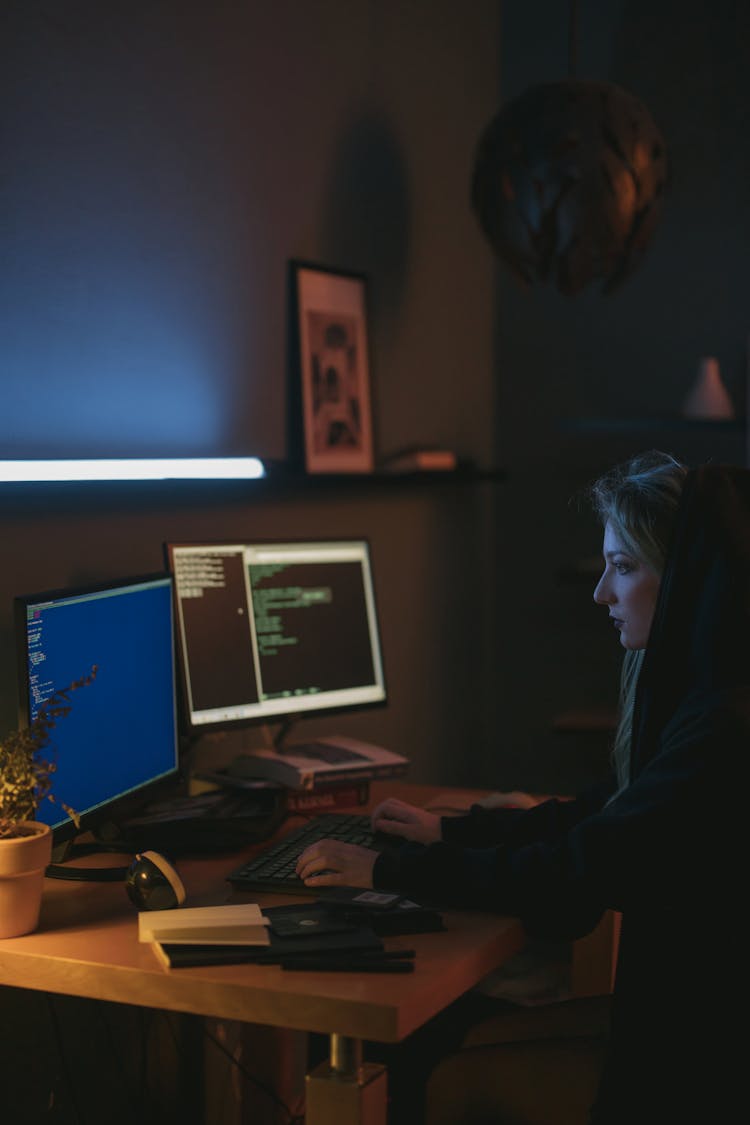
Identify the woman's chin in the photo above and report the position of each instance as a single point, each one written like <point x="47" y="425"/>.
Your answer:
<point x="631" y="646"/>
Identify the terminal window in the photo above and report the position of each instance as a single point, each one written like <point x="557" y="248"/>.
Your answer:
<point x="268" y="630"/>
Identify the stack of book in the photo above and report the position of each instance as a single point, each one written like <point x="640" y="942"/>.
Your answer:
<point x="177" y="936"/>
<point x="323" y="798"/>
<point x="308" y="777"/>
<point x="421" y="459"/>
<point x="281" y="935"/>
<point x="309" y="765"/>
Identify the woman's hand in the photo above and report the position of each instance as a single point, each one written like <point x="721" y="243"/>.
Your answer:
<point x="331" y="863"/>
<point x="399" y="819"/>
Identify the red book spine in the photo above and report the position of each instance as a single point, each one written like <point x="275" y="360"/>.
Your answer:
<point x="342" y="796"/>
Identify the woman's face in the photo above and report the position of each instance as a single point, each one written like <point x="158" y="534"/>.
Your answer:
<point x="629" y="587"/>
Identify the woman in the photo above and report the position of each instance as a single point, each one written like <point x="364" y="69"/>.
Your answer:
<point x="659" y="843"/>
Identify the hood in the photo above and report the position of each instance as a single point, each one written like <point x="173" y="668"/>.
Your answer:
<point x="700" y="636"/>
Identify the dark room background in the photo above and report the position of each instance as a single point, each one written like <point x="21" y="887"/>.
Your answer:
<point x="163" y="161"/>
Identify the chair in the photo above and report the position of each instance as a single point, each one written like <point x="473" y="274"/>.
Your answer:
<point x="534" y="1065"/>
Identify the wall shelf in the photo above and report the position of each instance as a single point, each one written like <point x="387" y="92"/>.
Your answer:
<point x="284" y="479"/>
<point x="664" y="424"/>
<point x="281" y="482"/>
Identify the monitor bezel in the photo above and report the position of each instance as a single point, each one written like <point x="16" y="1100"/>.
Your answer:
<point x="195" y="730"/>
<point x="123" y="805"/>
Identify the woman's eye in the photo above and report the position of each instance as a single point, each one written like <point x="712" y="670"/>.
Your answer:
<point x="623" y="568"/>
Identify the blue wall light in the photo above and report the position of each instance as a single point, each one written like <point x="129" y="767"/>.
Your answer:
<point x="135" y="468"/>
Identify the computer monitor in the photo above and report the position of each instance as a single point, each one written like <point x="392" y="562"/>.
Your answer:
<point x="272" y="632"/>
<point x="118" y="745"/>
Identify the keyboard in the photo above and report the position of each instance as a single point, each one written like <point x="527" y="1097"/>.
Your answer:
<point x="274" y="869"/>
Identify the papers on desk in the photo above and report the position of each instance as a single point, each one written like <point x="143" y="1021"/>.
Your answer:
<point x="205" y="925"/>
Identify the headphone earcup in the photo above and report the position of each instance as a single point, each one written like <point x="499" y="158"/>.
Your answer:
<point x="152" y="883"/>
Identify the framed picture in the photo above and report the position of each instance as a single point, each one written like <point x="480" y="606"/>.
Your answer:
<point x="331" y="370"/>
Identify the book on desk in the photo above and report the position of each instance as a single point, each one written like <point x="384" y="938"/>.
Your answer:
<point x="307" y="766"/>
<point x="233" y="926"/>
<point x="323" y="932"/>
<point x="324" y="797"/>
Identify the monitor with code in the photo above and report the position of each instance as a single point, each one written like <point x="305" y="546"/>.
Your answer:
<point x="275" y="631"/>
<point x="118" y="745"/>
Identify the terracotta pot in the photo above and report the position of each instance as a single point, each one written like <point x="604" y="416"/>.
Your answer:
<point x="23" y="859"/>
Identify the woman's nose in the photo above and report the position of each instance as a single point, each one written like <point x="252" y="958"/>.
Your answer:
<point x="602" y="595"/>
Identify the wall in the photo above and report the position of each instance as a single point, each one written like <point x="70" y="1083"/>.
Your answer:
<point x="165" y="160"/>
<point x="162" y="161"/>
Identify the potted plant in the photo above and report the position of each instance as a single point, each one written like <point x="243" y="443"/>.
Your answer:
<point x="26" y="776"/>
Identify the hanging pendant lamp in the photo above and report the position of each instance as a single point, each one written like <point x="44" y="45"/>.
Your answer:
<point x="568" y="182"/>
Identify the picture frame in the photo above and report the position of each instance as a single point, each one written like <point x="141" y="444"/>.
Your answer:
<point x="331" y="429"/>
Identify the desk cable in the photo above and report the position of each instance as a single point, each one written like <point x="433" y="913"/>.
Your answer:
<point x="294" y="1118"/>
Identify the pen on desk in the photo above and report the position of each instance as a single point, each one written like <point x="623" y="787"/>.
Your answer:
<point x="385" y="954"/>
<point x="358" y="965"/>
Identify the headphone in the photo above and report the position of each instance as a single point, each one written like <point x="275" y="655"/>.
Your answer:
<point x="152" y="883"/>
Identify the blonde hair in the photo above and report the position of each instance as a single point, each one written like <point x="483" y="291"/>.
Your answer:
<point x="639" y="500"/>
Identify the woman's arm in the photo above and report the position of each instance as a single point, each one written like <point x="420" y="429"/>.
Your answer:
<point x="507" y="818"/>
<point x="486" y="827"/>
<point x="331" y="863"/>
<point x="656" y="845"/>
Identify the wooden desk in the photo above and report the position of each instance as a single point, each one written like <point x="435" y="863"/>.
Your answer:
<point x="87" y="946"/>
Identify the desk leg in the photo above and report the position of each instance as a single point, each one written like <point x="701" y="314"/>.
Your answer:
<point x="190" y="1077"/>
<point x="345" y="1090"/>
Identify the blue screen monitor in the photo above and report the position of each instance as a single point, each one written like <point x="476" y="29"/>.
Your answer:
<point x="118" y="745"/>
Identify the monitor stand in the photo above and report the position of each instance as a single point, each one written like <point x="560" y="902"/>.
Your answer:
<point x="281" y="745"/>
<point x="280" y="737"/>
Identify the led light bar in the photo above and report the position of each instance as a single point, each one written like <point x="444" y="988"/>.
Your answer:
<point x="136" y="468"/>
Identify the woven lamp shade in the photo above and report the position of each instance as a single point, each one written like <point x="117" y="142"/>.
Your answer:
<point x="568" y="183"/>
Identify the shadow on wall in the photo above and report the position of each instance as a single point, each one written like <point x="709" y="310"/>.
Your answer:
<point x="367" y="221"/>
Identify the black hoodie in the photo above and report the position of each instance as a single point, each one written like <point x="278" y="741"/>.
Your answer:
<point x="667" y="851"/>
